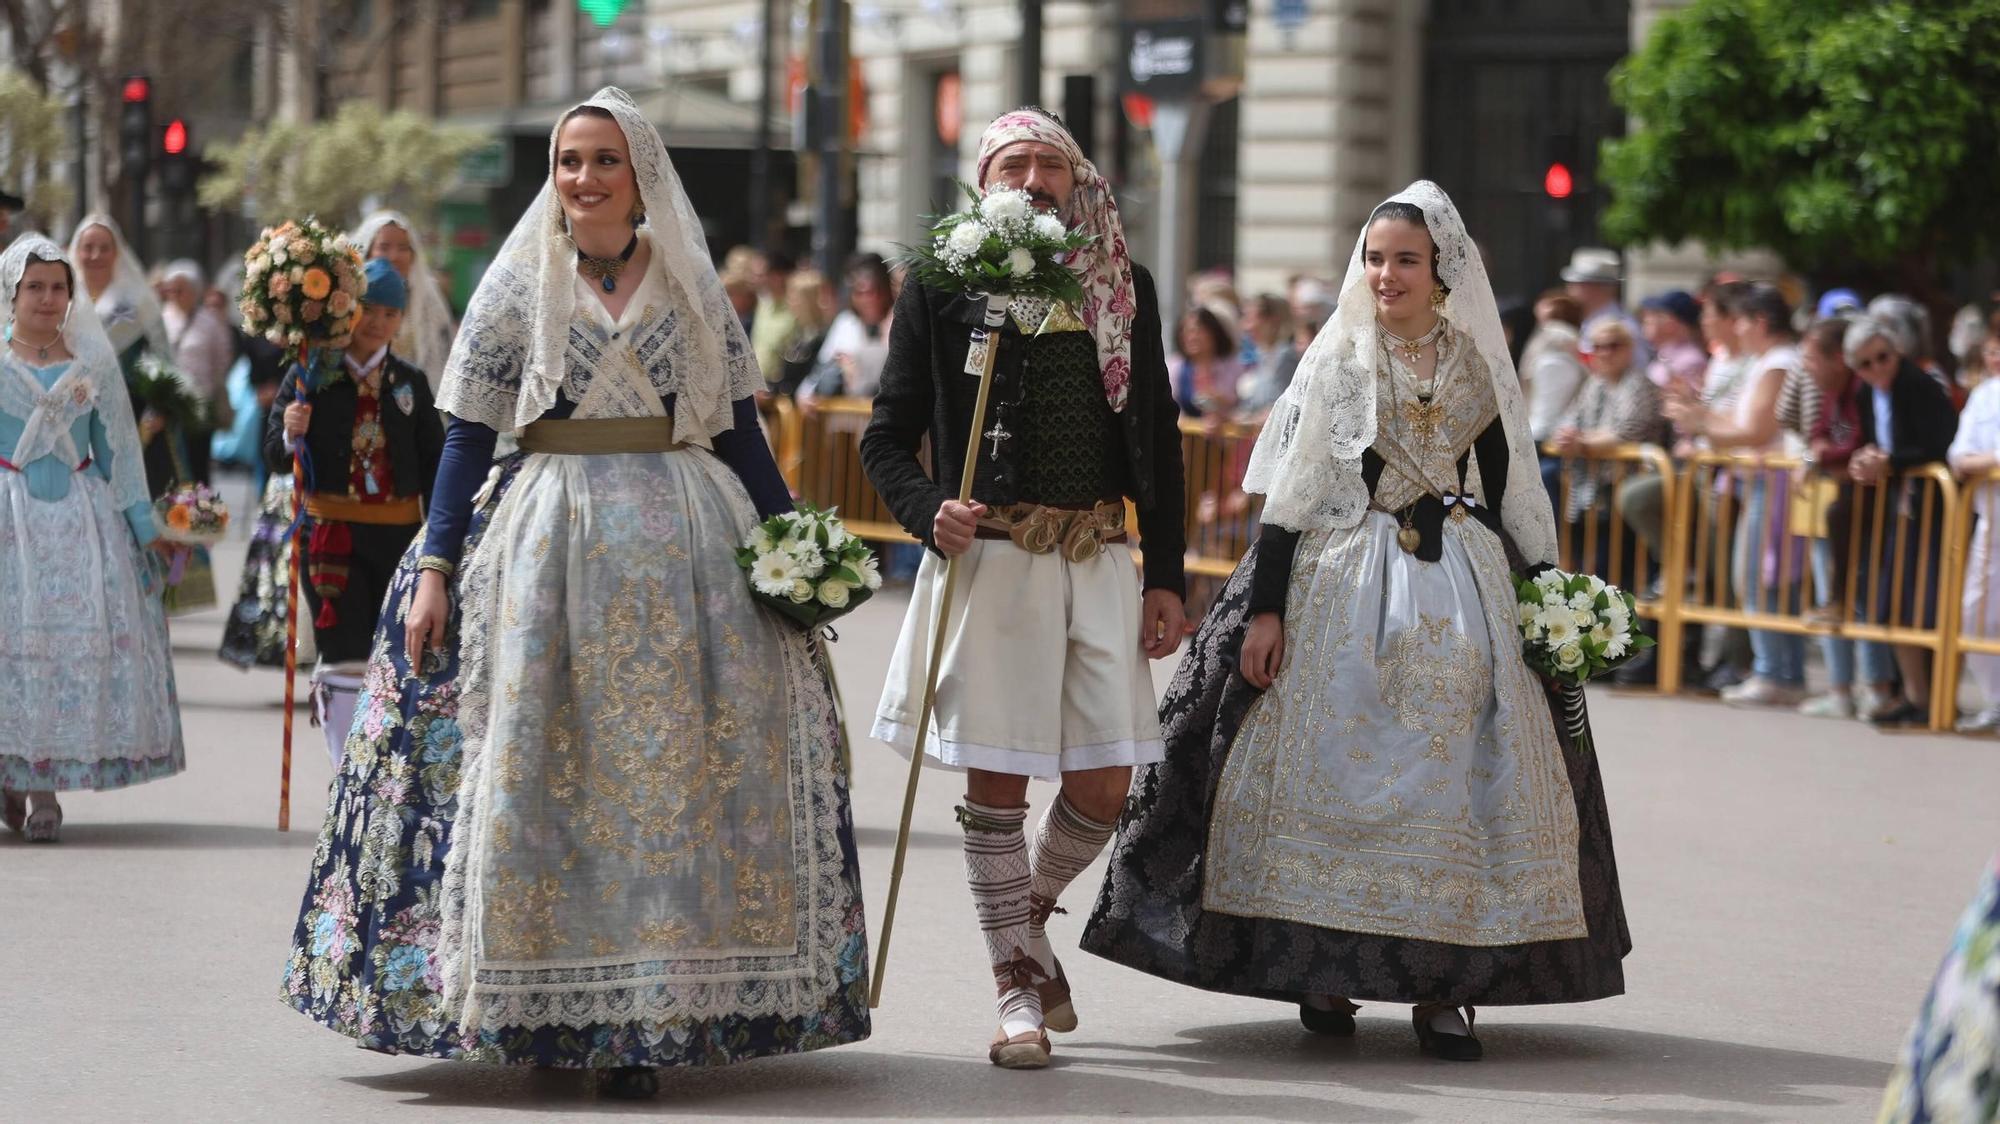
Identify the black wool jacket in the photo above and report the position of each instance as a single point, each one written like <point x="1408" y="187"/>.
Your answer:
<point x="415" y="437"/>
<point x="925" y="392"/>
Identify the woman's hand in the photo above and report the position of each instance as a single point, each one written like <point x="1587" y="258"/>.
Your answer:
<point x="298" y="418"/>
<point x="1263" y="650"/>
<point x="424" y="626"/>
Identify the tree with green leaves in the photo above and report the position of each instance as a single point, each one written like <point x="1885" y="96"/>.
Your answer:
<point x="1854" y="139"/>
<point x="330" y="168"/>
<point x="32" y="139"/>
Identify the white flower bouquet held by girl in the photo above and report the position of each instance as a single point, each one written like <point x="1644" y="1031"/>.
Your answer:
<point x="999" y="244"/>
<point x="806" y="565"/>
<point x="1576" y="627"/>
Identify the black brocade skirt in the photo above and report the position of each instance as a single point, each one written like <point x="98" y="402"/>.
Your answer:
<point x="1149" y="915"/>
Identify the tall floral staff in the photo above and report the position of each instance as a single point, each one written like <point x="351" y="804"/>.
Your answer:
<point x="1032" y="592"/>
<point x="302" y="288"/>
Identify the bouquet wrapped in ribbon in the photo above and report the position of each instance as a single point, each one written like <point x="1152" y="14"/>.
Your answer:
<point x="1000" y="244"/>
<point x="806" y="565"/>
<point x="1576" y="627"/>
<point x="302" y="287"/>
<point x="192" y="515"/>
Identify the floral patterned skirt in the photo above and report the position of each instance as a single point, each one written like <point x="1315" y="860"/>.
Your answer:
<point x="254" y="635"/>
<point x="363" y="958"/>
<point x="1950" y="1066"/>
<point x="1150" y="916"/>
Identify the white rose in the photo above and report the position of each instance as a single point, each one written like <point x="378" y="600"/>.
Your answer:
<point x="278" y="253"/>
<point x="1051" y="228"/>
<point x="833" y="593"/>
<point x="1569" y="657"/>
<point x="1020" y="262"/>
<point x="1003" y="207"/>
<point x="1584" y="617"/>
<point x="966" y="238"/>
<point x="802" y="591"/>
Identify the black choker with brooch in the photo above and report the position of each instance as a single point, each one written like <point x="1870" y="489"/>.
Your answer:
<point x="605" y="271"/>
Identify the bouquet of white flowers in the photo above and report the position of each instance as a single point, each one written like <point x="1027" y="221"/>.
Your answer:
<point x="1575" y="627"/>
<point x="805" y="565"/>
<point x="999" y="244"/>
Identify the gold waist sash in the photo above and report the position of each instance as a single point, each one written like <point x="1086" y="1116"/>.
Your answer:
<point x="580" y="436"/>
<point x="1079" y="533"/>
<point x="346" y="509"/>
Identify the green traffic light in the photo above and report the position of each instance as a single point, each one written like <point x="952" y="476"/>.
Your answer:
<point x="603" y="13"/>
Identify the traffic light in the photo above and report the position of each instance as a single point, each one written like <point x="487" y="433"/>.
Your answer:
<point x="177" y="163"/>
<point x="1557" y="181"/>
<point x="135" y="125"/>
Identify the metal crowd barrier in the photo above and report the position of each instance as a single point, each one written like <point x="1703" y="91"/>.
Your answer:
<point x="1733" y="545"/>
<point x="1603" y="540"/>
<point x="1750" y="526"/>
<point x="1974" y="608"/>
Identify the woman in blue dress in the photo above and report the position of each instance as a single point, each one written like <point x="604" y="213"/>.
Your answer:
<point x="611" y="830"/>
<point x="86" y="674"/>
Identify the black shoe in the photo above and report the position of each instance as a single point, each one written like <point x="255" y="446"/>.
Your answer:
<point x="1905" y="715"/>
<point x="1642" y="670"/>
<point x="1337" y="1023"/>
<point x="1720" y="678"/>
<point x="629" y="1083"/>
<point x="1450" y="1047"/>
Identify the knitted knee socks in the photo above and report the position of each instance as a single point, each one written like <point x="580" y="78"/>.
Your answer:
<point x="1065" y="843"/>
<point x="996" y="867"/>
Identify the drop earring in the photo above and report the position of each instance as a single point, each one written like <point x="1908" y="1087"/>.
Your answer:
<point x="1437" y="299"/>
<point x="638" y="212"/>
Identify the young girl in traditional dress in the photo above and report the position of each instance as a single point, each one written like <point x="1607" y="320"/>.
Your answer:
<point x="426" y="333"/>
<point x="1367" y="794"/>
<point x="86" y="674"/>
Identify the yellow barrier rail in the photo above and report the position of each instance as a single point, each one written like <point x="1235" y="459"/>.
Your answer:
<point x="1716" y="539"/>
<point x="1975" y="600"/>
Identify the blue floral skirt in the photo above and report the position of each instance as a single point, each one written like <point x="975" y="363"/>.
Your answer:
<point x="363" y="959"/>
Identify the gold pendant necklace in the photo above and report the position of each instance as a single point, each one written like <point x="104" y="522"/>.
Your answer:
<point x="1413" y="350"/>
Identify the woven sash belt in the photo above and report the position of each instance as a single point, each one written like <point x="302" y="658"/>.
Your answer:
<point x="346" y="509"/>
<point x="582" y="436"/>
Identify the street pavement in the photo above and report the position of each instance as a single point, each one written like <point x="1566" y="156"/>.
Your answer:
<point x="1790" y="883"/>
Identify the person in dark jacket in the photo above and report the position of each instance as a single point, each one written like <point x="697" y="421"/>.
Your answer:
<point x="1045" y="668"/>
<point x="1906" y="420"/>
<point x="371" y="445"/>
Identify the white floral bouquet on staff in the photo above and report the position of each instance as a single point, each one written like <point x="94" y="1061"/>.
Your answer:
<point x="807" y="566"/>
<point x="999" y="244"/>
<point x="1576" y="627"/>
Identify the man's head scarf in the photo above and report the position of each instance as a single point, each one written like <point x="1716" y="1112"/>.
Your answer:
<point x="1105" y="266"/>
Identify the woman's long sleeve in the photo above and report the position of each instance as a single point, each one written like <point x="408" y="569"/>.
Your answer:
<point x="1277" y="549"/>
<point x="468" y="456"/>
<point x="748" y="455"/>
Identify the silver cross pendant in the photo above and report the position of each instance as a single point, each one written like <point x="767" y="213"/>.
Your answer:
<point x="997" y="435"/>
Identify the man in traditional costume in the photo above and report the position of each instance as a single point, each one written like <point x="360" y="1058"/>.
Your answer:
<point x="373" y="440"/>
<point x="1045" y="666"/>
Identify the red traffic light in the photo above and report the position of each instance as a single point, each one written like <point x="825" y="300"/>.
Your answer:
<point x="137" y="88"/>
<point x="175" y="141"/>
<point x="1558" y="182"/>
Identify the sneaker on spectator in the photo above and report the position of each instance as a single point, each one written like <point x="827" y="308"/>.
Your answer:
<point x="1868" y="702"/>
<point x="1985" y="722"/>
<point x="1759" y="691"/>
<point x="1719" y="678"/>
<point x="1833" y="704"/>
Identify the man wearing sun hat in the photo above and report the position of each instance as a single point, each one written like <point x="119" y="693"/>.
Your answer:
<point x="1592" y="277"/>
<point x="1045" y="670"/>
<point x="372" y="441"/>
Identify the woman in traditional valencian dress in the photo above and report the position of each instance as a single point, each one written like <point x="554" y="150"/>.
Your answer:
<point x="425" y="337"/>
<point x="627" y="773"/>
<point x="1367" y="793"/>
<point x="86" y="675"/>
<point x="113" y="280"/>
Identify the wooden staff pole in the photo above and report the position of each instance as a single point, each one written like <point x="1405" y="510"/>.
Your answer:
<point x="988" y="341"/>
<point x="292" y="613"/>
